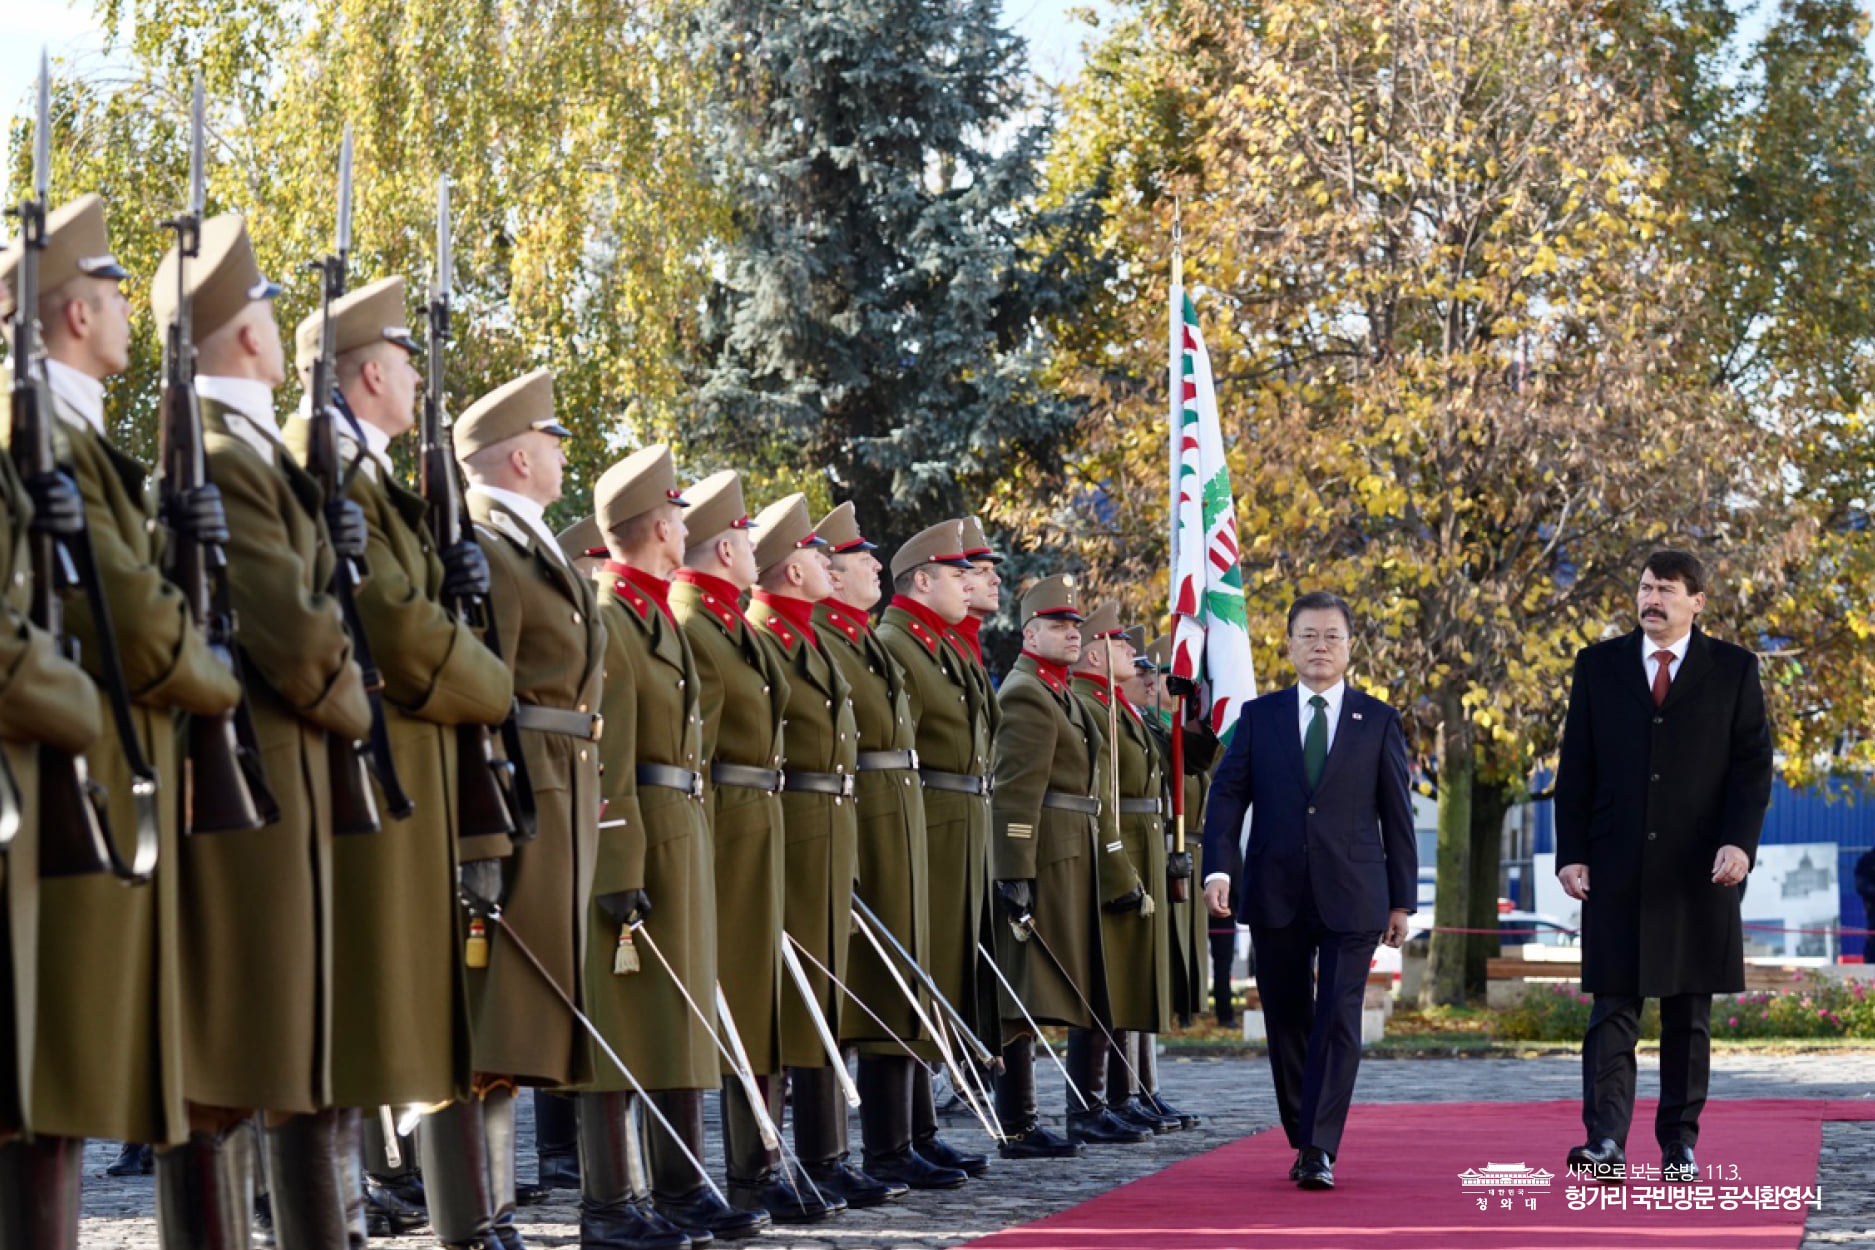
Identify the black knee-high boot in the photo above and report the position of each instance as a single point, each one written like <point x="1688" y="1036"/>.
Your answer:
<point x="677" y="1188"/>
<point x="1087" y="1066"/>
<point x="820" y="1141"/>
<point x="1024" y="1136"/>
<point x="885" y="1121"/>
<point x="39" y="1182"/>
<point x="556" y="1140"/>
<point x="757" y="1181"/>
<point x="205" y="1191"/>
<point x="393" y="1195"/>
<point x="924" y="1127"/>
<point x="305" y="1162"/>
<point x="1125" y="1087"/>
<point x="615" y="1211"/>
<point x="498" y="1122"/>
<point x="461" y="1205"/>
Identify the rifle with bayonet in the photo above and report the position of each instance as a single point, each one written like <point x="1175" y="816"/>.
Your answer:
<point x="354" y="809"/>
<point x="224" y="787"/>
<point x="75" y="839"/>
<point x="492" y="793"/>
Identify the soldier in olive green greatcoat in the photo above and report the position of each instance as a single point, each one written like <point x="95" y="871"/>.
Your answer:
<point x="894" y="861"/>
<point x="656" y="866"/>
<point x="45" y="700"/>
<point x="948" y="696"/>
<point x="1133" y="931"/>
<point x="256" y="906"/>
<point x="545" y="619"/>
<point x="820" y="750"/>
<point x="743" y="692"/>
<point x="1052" y="869"/>
<point x="107" y="1048"/>
<point x="400" y="1008"/>
<point x="1187" y="925"/>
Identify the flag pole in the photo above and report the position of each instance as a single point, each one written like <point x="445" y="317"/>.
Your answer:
<point x="1178" y="889"/>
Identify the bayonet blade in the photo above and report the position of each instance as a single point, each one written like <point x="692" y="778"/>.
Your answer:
<point x="345" y="193"/>
<point x="443" y="285"/>
<point x="198" y="155"/>
<point x="42" y="133"/>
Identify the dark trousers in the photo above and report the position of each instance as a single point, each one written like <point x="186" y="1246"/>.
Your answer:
<point x="1608" y="1066"/>
<point x="1314" y="1027"/>
<point x="1223" y="957"/>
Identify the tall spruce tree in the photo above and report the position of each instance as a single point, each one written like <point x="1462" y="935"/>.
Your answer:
<point x="876" y="322"/>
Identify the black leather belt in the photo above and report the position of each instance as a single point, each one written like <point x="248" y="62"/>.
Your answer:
<point x="670" y="777"/>
<point x="819" y="783"/>
<point x="747" y="776"/>
<point x="884" y="761"/>
<point x="957" y="783"/>
<point x="559" y="720"/>
<point x="1085" y="804"/>
<point x="1141" y="807"/>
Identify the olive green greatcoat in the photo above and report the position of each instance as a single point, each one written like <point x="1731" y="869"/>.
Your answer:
<point x="894" y="859"/>
<point x="547" y="620"/>
<point x="43" y="698"/>
<point x="821" y="862"/>
<point x="657" y="839"/>
<point x="400" y="1002"/>
<point x="256" y="907"/>
<point x="986" y="715"/>
<point x="742" y="695"/>
<point x="1139" y="971"/>
<point x="1045" y="742"/>
<point x="109" y="1045"/>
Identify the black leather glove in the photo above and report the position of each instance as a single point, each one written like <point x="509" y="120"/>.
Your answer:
<point x="479" y="883"/>
<point x="58" y="508"/>
<point x="1018" y="898"/>
<point x="1180" y="687"/>
<point x="1201" y="747"/>
<point x="1178" y="865"/>
<point x="345" y="526"/>
<point x="198" y="514"/>
<point x="465" y="571"/>
<point x="625" y="906"/>
<point x="1129" y="901"/>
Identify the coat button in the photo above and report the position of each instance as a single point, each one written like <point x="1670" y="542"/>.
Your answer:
<point x="1655" y="777"/>
<point x="576" y="618"/>
<point x="1660" y="720"/>
<point x="1311" y="811"/>
<point x="1651" y="835"/>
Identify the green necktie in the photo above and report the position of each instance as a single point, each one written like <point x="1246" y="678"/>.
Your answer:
<point x="1315" y="741"/>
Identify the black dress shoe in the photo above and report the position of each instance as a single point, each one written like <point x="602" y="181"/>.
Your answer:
<point x="135" y="1159"/>
<point x="1185" y="1118"/>
<point x="706" y="1214"/>
<point x="1295" y="1169"/>
<point x="1314" y="1169"/>
<point x="387" y="1215"/>
<point x="559" y="1171"/>
<point x="1135" y="1111"/>
<point x="526" y="1195"/>
<point x="1036" y="1142"/>
<point x="936" y="1150"/>
<point x="1101" y="1128"/>
<point x="860" y="1190"/>
<point x="784" y="1201"/>
<point x="1677" y="1165"/>
<point x="628" y="1226"/>
<point x="1601" y="1159"/>
<point x="910" y="1168"/>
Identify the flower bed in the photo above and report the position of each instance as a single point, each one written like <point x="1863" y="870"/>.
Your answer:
<point x="1814" y="1006"/>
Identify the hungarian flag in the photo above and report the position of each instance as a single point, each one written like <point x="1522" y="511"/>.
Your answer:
<point x="1211" y="638"/>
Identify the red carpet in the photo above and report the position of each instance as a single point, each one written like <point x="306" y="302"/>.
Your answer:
<point x="1398" y="1187"/>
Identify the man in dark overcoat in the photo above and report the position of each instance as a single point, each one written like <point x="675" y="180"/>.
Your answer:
<point x="1660" y="796"/>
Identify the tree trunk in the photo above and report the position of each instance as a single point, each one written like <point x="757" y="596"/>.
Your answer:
<point x="1445" y="970"/>
<point x="1488" y="805"/>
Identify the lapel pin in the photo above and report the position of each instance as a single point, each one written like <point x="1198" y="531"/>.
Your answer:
<point x="1354" y="715"/>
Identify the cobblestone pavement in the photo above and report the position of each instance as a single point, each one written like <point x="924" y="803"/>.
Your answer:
<point x="1235" y="1098"/>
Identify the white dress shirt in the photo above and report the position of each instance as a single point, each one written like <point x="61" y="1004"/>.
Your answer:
<point x="377" y="460"/>
<point x="252" y="405"/>
<point x="526" y="511"/>
<point x="79" y="392"/>
<point x="1649" y="646"/>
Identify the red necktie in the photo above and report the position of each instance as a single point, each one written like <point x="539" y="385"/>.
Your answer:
<point x="1663" y="676"/>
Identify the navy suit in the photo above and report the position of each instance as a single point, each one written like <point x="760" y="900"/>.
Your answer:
<point x="1324" y="867"/>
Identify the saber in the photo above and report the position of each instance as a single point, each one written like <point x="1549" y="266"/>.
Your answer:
<point x="770" y="1139"/>
<point x="977" y="1047"/>
<point x="966" y="1078"/>
<point x="937" y="1033"/>
<point x="493" y="912"/>
<point x="859" y="1002"/>
<point x="827" y="1039"/>
<point x="1014" y="998"/>
<point x="745" y="1073"/>
<point x="1093" y="1015"/>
